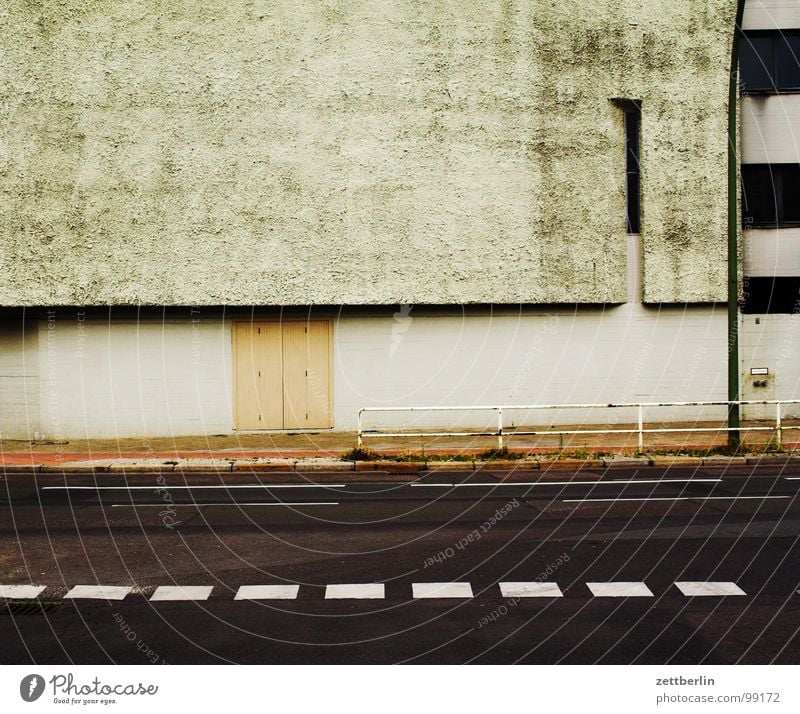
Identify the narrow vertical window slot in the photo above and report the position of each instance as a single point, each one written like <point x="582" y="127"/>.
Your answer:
<point x="633" y="122"/>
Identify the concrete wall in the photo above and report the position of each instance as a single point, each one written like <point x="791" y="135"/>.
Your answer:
<point x="19" y="379"/>
<point x="177" y="153"/>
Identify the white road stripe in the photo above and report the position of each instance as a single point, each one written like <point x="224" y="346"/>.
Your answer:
<point x="679" y="498"/>
<point x="708" y="589"/>
<point x="355" y="591"/>
<point x="166" y="487"/>
<point x="267" y="592"/>
<point x="200" y="504"/>
<point x="26" y="592"/>
<point x="568" y="483"/>
<point x="532" y="589"/>
<point x="182" y="592"/>
<point x="440" y="590"/>
<point x="98" y="592"/>
<point x="619" y="589"/>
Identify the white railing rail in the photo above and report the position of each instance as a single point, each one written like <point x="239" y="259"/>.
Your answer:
<point x="778" y="428"/>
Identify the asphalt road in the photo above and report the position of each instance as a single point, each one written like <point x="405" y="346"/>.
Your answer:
<point x="569" y="531"/>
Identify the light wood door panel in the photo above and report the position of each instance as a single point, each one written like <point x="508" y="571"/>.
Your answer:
<point x="282" y="375"/>
<point x="270" y="391"/>
<point x="246" y="411"/>
<point x="318" y="384"/>
<point x="259" y="368"/>
<point x="294" y="375"/>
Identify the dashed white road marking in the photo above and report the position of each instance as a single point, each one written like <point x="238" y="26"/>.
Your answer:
<point x="98" y="592"/>
<point x="26" y="592"/>
<point x="182" y="592"/>
<point x="355" y="591"/>
<point x="441" y="590"/>
<point x="201" y="504"/>
<point x="532" y="589"/>
<point x="267" y="592"/>
<point x="708" y="589"/>
<point x="166" y="487"/>
<point x="677" y="498"/>
<point x="619" y="589"/>
<point x="567" y="483"/>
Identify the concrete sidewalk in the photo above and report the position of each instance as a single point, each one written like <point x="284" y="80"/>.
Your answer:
<point x="326" y="451"/>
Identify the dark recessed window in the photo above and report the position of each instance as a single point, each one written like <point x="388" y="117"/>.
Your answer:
<point x="633" y="122"/>
<point x="769" y="61"/>
<point x="771" y="295"/>
<point x="770" y="195"/>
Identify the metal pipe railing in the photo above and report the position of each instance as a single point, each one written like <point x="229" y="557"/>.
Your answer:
<point x="501" y="433"/>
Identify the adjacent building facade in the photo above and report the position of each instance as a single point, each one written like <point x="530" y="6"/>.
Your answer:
<point x="265" y="216"/>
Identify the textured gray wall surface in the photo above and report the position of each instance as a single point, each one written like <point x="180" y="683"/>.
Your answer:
<point x="356" y="152"/>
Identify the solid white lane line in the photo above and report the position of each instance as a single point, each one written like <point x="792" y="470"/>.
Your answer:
<point x="708" y="589"/>
<point x="619" y="589"/>
<point x="166" y="487"/>
<point x="181" y="592"/>
<point x="267" y="592"/>
<point x="198" y="504"/>
<point x="568" y="483"/>
<point x="98" y="592"/>
<point x="531" y="589"/>
<point x="355" y="591"/>
<point x="25" y="592"/>
<point x="680" y="498"/>
<point x="441" y="590"/>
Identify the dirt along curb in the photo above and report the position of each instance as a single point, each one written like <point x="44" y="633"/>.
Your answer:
<point x="361" y="470"/>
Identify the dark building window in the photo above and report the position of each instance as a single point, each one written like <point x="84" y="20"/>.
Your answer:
<point x="769" y="61"/>
<point x="633" y="122"/>
<point x="771" y="295"/>
<point x="770" y="195"/>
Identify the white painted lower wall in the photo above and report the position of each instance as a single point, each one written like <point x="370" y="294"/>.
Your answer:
<point x="134" y="378"/>
<point x="19" y="379"/>
<point x="628" y="353"/>
<point x="771" y="341"/>
<point x="71" y="378"/>
<point x="770" y="128"/>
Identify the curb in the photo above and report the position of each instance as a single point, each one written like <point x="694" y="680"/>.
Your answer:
<point x="625" y="462"/>
<point x="668" y="462"/>
<point x="301" y="467"/>
<point x="508" y="465"/>
<point x="772" y="460"/>
<point x="397" y="467"/>
<point x="575" y="464"/>
<point x="262" y="468"/>
<point x="22" y="468"/>
<point x="450" y="466"/>
<point x="724" y="461"/>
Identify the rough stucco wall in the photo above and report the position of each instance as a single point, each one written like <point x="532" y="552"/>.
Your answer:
<point x="358" y="152"/>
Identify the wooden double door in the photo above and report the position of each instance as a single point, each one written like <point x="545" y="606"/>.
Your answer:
<point x="282" y="375"/>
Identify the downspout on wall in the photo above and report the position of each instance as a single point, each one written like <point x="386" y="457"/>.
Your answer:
<point x="733" y="235"/>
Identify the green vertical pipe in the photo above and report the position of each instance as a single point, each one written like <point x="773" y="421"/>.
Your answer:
<point x="733" y="234"/>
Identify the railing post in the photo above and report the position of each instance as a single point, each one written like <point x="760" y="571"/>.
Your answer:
<point x="778" y="427"/>
<point x="359" y="428"/>
<point x="641" y="427"/>
<point x="499" y="429"/>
